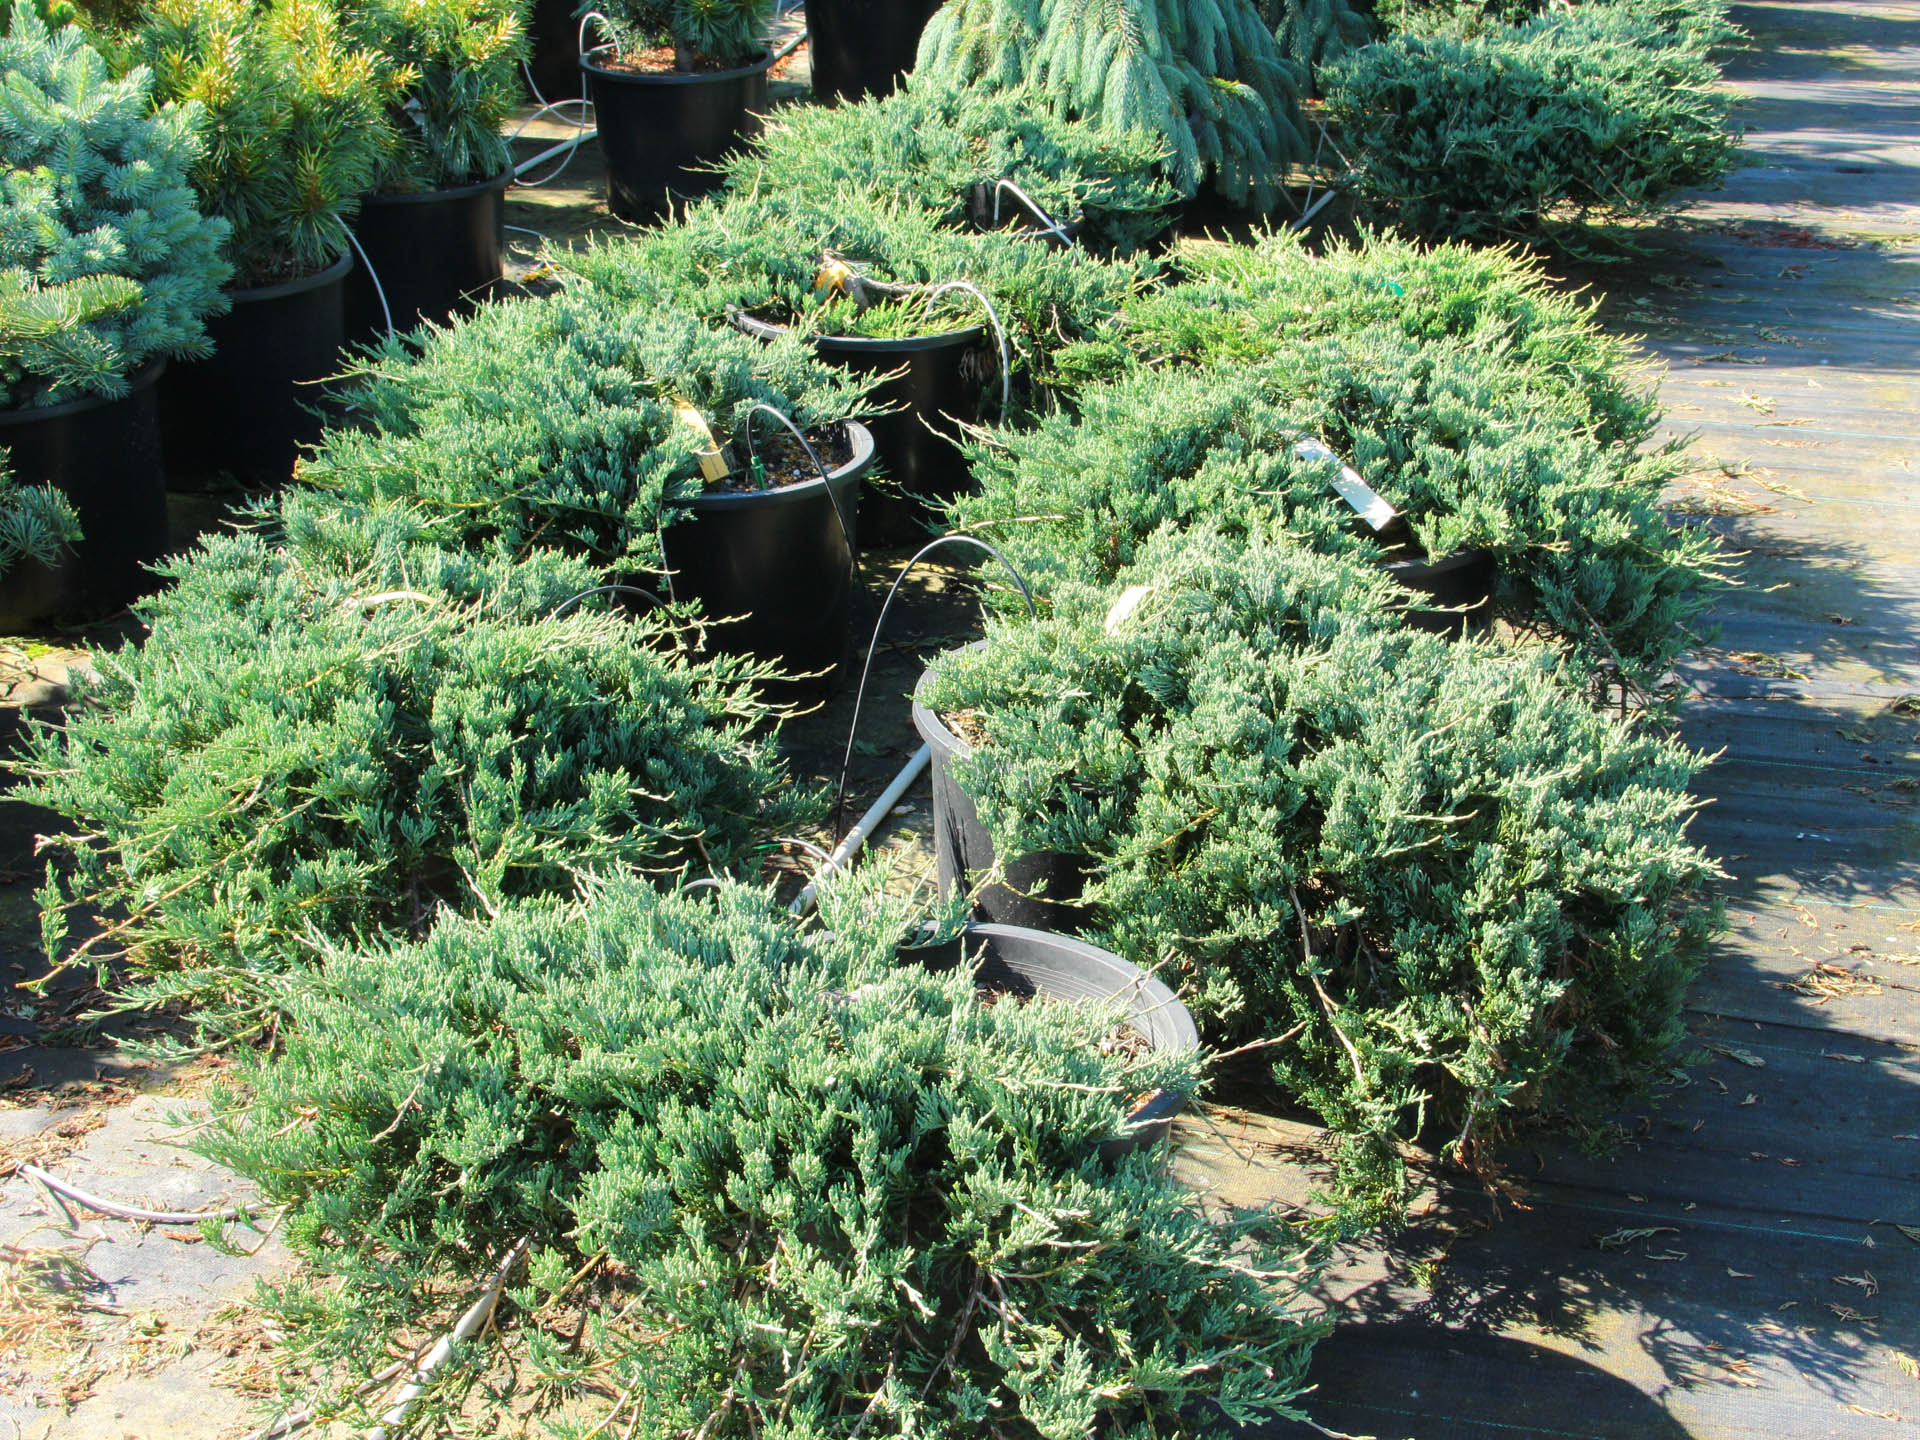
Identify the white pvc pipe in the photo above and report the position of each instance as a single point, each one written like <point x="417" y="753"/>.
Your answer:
<point x="864" y="826"/>
<point x="589" y="133"/>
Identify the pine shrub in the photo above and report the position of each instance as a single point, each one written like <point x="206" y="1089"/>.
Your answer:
<point x="1472" y="891"/>
<point x="299" y="754"/>
<point x="936" y="146"/>
<point x="551" y="423"/>
<point x="1536" y="132"/>
<point x="1203" y="75"/>
<point x="292" y="120"/>
<point x="703" y="34"/>
<point x="105" y="261"/>
<point x="452" y="71"/>
<point x="829" y="1193"/>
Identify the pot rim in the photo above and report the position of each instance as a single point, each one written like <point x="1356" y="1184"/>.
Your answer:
<point x="1153" y="991"/>
<point x="927" y="721"/>
<point x="859" y="344"/>
<point x="858" y="435"/>
<point x="453" y="192"/>
<point x="672" y="77"/>
<point x="335" y="272"/>
<point x="141" y="379"/>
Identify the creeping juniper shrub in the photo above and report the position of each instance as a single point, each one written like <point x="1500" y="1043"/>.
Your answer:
<point x="301" y="754"/>
<point x="552" y="424"/>
<point x="1534" y="133"/>
<point x="1453" y="440"/>
<point x="936" y="146"/>
<point x="105" y="259"/>
<point x="1237" y="304"/>
<point x="763" y="254"/>
<point x="831" y="1192"/>
<point x="1472" y="891"/>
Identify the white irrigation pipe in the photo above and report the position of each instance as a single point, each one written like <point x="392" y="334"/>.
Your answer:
<point x="60" y="1188"/>
<point x="1048" y="225"/>
<point x="583" y="131"/>
<point x="467" y="1326"/>
<point x="863" y="827"/>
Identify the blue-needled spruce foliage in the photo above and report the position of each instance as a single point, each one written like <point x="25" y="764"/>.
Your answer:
<point x="1537" y="132"/>
<point x="303" y="754"/>
<point x="824" y="1192"/>
<point x="1313" y="33"/>
<point x="292" y="120"/>
<point x="37" y="522"/>
<point x="1463" y="893"/>
<point x="451" y="71"/>
<point x="1206" y="76"/>
<point x="105" y="259"/>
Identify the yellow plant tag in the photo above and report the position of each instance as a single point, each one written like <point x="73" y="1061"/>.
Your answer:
<point x="835" y="276"/>
<point x="713" y="464"/>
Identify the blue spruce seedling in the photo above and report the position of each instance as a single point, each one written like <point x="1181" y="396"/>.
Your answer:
<point x="105" y="259"/>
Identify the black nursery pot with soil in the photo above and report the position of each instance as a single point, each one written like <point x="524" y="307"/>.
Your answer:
<point x="1015" y="960"/>
<point x="435" y="254"/>
<point x="659" y="131"/>
<point x="776" y="563"/>
<point x="1041" y="890"/>
<point x="861" y="48"/>
<point x="940" y="382"/>
<point x="104" y="455"/>
<point x="248" y="408"/>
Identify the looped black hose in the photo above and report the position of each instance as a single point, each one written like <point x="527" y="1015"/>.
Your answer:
<point x="873" y="645"/>
<point x="568" y="604"/>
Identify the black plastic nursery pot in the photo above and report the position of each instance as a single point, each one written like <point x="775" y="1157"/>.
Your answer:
<point x="248" y="408"/>
<point x="105" y="456"/>
<point x="1017" y="960"/>
<point x="1458" y="589"/>
<point x="1040" y="891"/>
<point x="774" y="567"/>
<point x="940" y="382"/>
<point x="435" y="255"/>
<point x="658" y="132"/>
<point x="862" y="47"/>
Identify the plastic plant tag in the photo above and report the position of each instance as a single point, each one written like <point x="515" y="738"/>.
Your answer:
<point x="835" y="276"/>
<point x="1124" y="607"/>
<point x="713" y="465"/>
<point x="1367" y="502"/>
